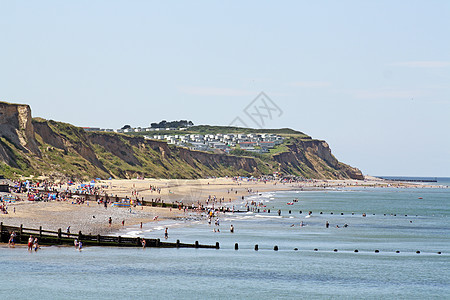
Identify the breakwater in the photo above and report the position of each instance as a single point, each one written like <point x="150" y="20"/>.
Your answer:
<point x="53" y="238"/>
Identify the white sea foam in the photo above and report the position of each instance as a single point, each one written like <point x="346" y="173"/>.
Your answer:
<point x="268" y="217"/>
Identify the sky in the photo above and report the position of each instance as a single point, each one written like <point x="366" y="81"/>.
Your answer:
<point x="372" y="78"/>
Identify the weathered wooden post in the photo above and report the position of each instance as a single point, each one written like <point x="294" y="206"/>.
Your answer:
<point x="196" y="244"/>
<point x="98" y="238"/>
<point x="40" y="231"/>
<point x="256" y="247"/>
<point x="21" y="229"/>
<point x="178" y="243"/>
<point x="236" y="246"/>
<point x="138" y="241"/>
<point x="80" y="235"/>
<point x="158" y="243"/>
<point x="1" y="231"/>
<point x="217" y="245"/>
<point x="59" y="236"/>
<point x="119" y="239"/>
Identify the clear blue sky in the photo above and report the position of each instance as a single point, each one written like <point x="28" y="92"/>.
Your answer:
<point x="372" y="78"/>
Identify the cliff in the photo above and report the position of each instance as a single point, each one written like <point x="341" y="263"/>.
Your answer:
<point x="58" y="149"/>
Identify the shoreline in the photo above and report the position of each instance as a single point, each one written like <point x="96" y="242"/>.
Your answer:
<point x="92" y="218"/>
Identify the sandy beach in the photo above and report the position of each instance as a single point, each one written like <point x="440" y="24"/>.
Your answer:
<point x="91" y="217"/>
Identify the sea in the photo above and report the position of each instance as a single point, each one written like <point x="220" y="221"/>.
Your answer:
<point x="396" y="245"/>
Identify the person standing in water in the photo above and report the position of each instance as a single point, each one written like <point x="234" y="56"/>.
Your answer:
<point x="166" y="234"/>
<point x="231" y="228"/>
<point x="35" y="244"/>
<point x="30" y="243"/>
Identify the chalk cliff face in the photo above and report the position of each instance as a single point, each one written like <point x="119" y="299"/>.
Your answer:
<point x="61" y="150"/>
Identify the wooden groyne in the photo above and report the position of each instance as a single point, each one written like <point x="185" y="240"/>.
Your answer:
<point x="53" y="238"/>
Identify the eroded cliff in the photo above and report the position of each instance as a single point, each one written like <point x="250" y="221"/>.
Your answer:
<point x="58" y="149"/>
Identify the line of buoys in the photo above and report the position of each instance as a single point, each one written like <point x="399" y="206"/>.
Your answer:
<point x="331" y="213"/>
<point x="275" y="248"/>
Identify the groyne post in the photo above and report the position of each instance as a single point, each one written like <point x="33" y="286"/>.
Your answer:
<point x="59" y="236"/>
<point x="40" y="231"/>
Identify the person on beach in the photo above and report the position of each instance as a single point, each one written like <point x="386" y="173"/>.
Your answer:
<point x="166" y="234"/>
<point x="68" y="229"/>
<point x="110" y="221"/>
<point x="11" y="242"/>
<point x="80" y="245"/>
<point x="123" y="222"/>
<point x="30" y="243"/>
<point x="231" y="228"/>
<point x="36" y="244"/>
<point x="144" y="243"/>
<point x="327" y="224"/>
<point x="75" y="243"/>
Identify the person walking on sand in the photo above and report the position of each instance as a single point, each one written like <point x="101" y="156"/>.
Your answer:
<point x="166" y="234"/>
<point x="110" y="221"/>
